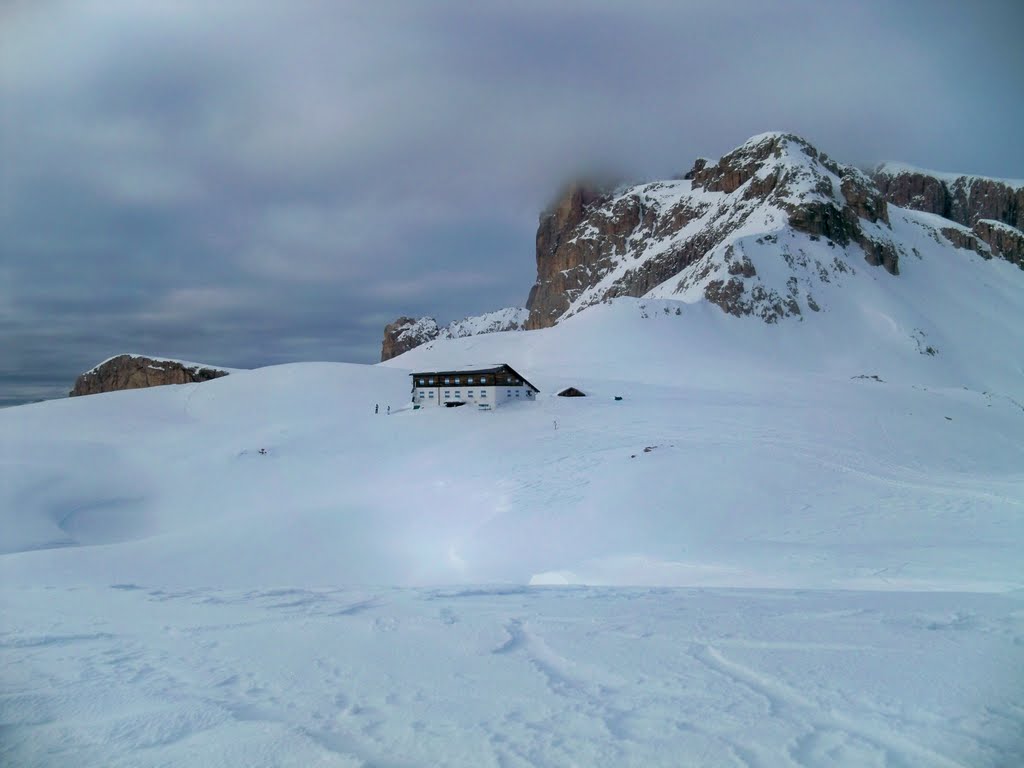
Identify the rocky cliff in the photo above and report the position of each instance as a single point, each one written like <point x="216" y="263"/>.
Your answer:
<point x="136" y="372"/>
<point x="958" y="197"/>
<point x="992" y="208"/>
<point x="405" y="333"/>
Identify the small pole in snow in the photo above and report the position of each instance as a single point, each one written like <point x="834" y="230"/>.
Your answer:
<point x="556" y="424"/>
<point x="389" y="410"/>
<point x="376" y="407"/>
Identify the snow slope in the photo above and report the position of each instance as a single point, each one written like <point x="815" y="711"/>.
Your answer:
<point x="800" y="545"/>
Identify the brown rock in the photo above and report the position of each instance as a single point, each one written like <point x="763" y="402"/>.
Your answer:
<point x="916" y="191"/>
<point x="963" y="199"/>
<point x="1005" y="241"/>
<point x="966" y="240"/>
<point x="132" y="372"/>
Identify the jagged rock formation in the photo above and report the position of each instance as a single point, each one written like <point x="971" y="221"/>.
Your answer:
<point x="697" y="234"/>
<point x="992" y="208"/>
<point x="405" y="333"/>
<point x="136" y="372"/>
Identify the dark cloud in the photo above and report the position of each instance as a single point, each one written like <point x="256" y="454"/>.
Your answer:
<point x="248" y="183"/>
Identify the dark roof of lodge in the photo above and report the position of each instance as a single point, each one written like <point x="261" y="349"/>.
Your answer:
<point x="499" y="368"/>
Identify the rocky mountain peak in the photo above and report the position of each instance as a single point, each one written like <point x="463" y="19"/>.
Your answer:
<point x="697" y="231"/>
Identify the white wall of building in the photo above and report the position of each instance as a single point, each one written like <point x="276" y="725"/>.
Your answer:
<point x="491" y="395"/>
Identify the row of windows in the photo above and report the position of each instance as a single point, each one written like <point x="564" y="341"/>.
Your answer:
<point x="430" y="393"/>
<point x="483" y="393"/>
<point x="509" y="381"/>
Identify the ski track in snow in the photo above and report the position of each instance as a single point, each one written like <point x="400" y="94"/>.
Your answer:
<point x="509" y="676"/>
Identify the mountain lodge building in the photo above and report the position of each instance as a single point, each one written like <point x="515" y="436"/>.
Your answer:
<point x="486" y="387"/>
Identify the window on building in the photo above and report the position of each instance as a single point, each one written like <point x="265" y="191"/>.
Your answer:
<point x="469" y="394"/>
<point x="447" y="394"/>
<point x="469" y="380"/>
<point x="430" y="382"/>
<point x="422" y="382"/>
<point x="457" y="380"/>
<point x="483" y="393"/>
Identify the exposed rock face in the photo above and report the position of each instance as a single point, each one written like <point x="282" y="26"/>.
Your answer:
<point x="677" y="237"/>
<point x="136" y="372"/>
<point x="406" y="333"/>
<point x="1004" y="240"/>
<point x="967" y="200"/>
<point x="963" y="199"/>
<point x="965" y="239"/>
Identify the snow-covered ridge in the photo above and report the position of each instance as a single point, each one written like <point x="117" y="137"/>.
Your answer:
<point x="507" y="319"/>
<point x="406" y="332"/>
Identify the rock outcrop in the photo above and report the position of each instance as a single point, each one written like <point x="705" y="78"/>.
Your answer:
<point x="136" y="372"/>
<point x="975" y="202"/>
<point x="960" y="198"/>
<point x="407" y="333"/>
<point x="1004" y="240"/>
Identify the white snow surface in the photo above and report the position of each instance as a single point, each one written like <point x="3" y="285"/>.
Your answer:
<point x="786" y="545"/>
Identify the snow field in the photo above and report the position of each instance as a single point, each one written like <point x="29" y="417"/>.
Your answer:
<point x="130" y="675"/>
<point x="800" y="546"/>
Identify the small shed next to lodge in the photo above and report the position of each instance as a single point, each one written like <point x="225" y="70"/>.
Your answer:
<point x="487" y="387"/>
<point x="572" y="392"/>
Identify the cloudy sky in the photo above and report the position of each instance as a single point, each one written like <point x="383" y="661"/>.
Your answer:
<point x="252" y="182"/>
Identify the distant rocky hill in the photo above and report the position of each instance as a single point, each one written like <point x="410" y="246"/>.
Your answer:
<point x="136" y="372"/>
<point x="760" y="232"/>
<point x="405" y="333"/>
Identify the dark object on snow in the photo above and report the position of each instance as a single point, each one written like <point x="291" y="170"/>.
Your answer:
<point x="389" y="410"/>
<point x="571" y="392"/>
<point x="263" y="451"/>
<point x="453" y="404"/>
<point x="618" y="397"/>
<point x="376" y="408"/>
